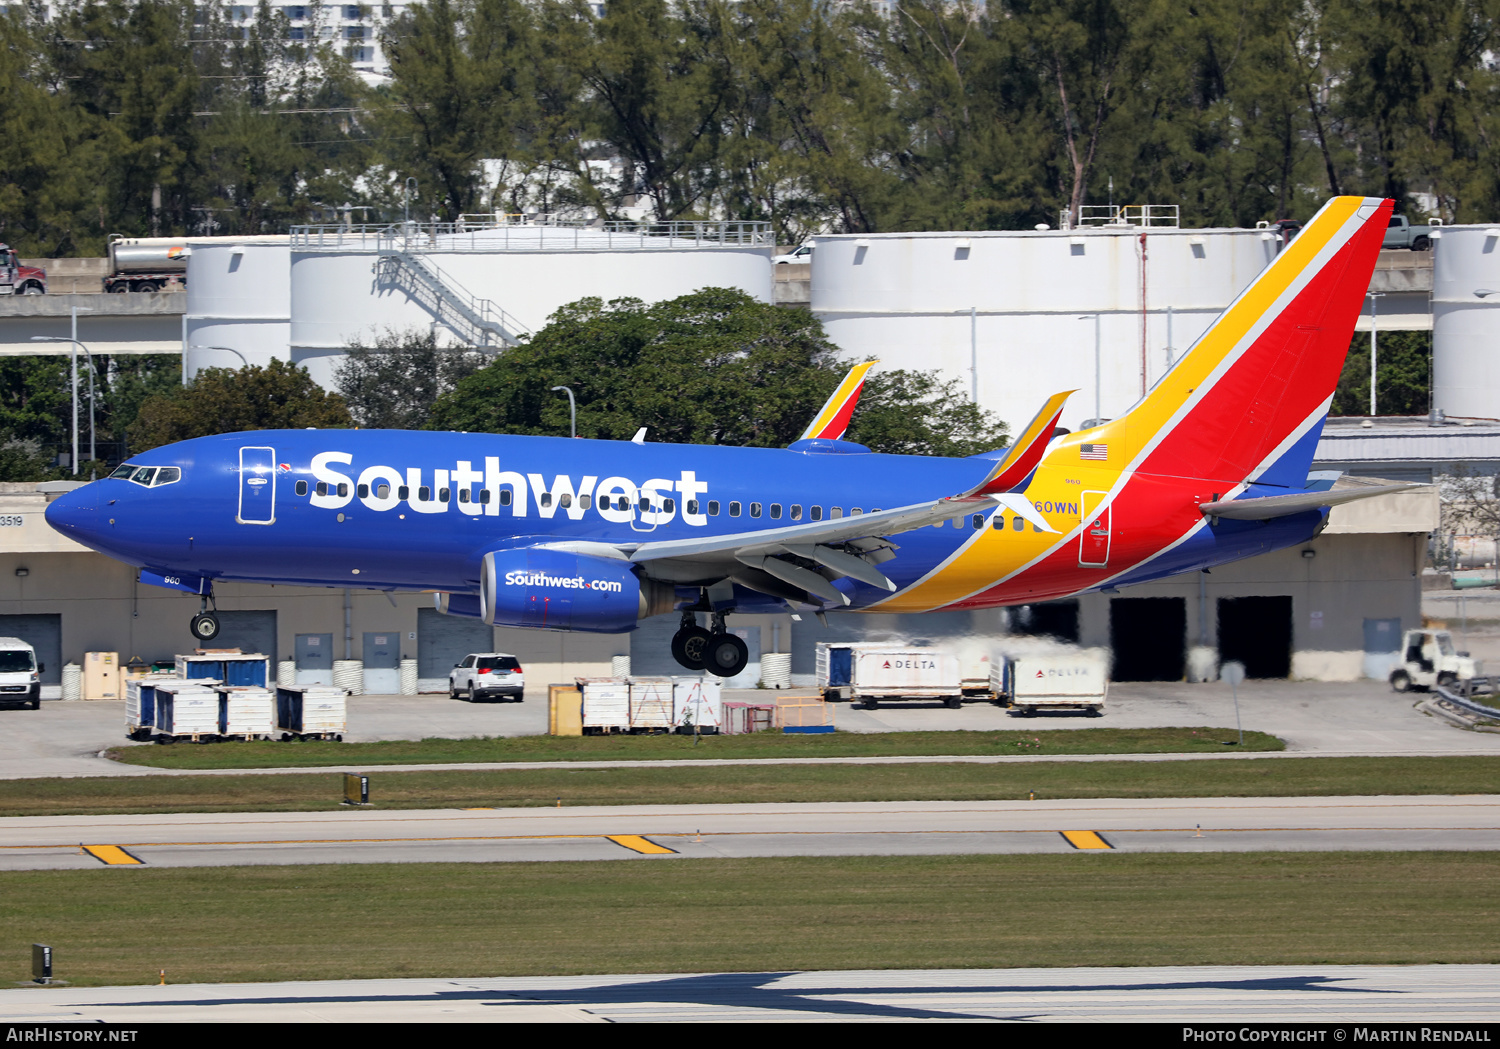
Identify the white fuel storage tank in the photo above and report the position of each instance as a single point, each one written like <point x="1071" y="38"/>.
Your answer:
<point x="1011" y="315"/>
<point x="238" y="301"/>
<point x="487" y="284"/>
<point x="1466" y="322"/>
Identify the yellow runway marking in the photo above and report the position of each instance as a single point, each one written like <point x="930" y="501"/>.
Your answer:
<point x="112" y="855"/>
<point x="1085" y="839"/>
<point x="636" y="843"/>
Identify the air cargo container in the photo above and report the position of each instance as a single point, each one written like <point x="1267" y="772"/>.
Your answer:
<point x="140" y="704"/>
<point x="650" y="704"/>
<point x="875" y="672"/>
<point x="185" y="710"/>
<point x="1077" y="680"/>
<point x="697" y="706"/>
<point x="249" y="713"/>
<point x="606" y="705"/>
<point x="311" y="712"/>
<point x="232" y="667"/>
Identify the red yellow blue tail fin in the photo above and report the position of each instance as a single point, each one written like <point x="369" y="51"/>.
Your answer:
<point x="833" y="418"/>
<point x="1013" y="472"/>
<point x="1254" y="389"/>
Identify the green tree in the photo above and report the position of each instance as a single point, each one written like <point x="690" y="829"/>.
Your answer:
<point x="1402" y="381"/>
<point x="394" y="383"/>
<point x="221" y="400"/>
<point x="713" y="367"/>
<point x="35" y="400"/>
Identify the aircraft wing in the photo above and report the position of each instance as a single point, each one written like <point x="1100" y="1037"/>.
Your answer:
<point x="795" y="560"/>
<point x="1271" y="506"/>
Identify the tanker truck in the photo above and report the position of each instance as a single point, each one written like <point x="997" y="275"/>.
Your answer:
<point x="146" y="263"/>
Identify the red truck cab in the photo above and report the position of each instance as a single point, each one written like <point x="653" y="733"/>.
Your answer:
<point x="16" y="279"/>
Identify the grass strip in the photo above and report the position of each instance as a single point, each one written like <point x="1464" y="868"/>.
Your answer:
<point x="752" y="915"/>
<point x="260" y="755"/>
<point x="298" y="792"/>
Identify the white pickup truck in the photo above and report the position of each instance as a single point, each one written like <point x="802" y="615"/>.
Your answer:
<point x="487" y="675"/>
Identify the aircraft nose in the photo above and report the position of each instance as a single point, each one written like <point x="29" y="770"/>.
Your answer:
<point x="76" y="514"/>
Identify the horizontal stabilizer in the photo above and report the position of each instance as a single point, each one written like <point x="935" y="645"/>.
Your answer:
<point x="1268" y="507"/>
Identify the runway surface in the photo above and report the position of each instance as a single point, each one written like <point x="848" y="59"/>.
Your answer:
<point x="1351" y="995"/>
<point x="664" y="832"/>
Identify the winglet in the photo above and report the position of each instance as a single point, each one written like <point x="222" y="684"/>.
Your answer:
<point x="1013" y="472"/>
<point x="833" y="418"/>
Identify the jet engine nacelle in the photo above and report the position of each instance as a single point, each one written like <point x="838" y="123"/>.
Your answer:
<point x="555" y="590"/>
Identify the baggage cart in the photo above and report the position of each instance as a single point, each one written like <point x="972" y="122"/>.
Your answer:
<point x="140" y="705"/>
<point x="697" y="706"/>
<point x="311" y="712"/>
<point x="230" y="667"/>
<point x="874" y="672"/>
<point x="185" y="710"/>
<point x="650" y="704"/>
<point x="606" y="705"/>
<point x="246" y="713"/>
<point x="1056" y="681"/>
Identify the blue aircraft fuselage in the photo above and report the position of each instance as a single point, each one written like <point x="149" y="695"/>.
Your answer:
<point x="417" y="510"/>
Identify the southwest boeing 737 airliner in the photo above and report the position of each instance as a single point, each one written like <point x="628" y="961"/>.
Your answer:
<point x="552" y="533"/>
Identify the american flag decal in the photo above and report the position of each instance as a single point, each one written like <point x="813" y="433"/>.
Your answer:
<point x="1093" y="451"/>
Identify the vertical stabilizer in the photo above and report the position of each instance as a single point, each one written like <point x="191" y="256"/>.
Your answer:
<point x="1247" y="402"/>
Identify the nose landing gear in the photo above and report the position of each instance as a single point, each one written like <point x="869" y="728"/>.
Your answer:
<point x="205" y="625"/>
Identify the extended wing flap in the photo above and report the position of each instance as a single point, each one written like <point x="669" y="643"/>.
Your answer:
<point x="1268" y="507"/>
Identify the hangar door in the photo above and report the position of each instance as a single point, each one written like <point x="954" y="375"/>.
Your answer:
<point x="249" y="632"/>
<point x="444" y="640"/>
<point x="43" y="633"/>
<point x="1149" y="638"/>
<point x="1257" y="631"/>
<point x="1057" y="619"/>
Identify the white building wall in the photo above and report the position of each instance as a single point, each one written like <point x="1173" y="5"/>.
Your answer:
<point x="1466" y="322"/>
<point x="906" y="299"/>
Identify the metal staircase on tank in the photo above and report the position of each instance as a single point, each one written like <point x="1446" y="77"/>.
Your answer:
<point x="475" y="321"/>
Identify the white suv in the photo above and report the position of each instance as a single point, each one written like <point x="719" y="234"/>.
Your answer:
<point x="486" y="675"/>
<point x="19" y="673"/>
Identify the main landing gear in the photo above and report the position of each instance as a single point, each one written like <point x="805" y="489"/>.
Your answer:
<point x="717" y="651"/>
<point x="205" y="625"/>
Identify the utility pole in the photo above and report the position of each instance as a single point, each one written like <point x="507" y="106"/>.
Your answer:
<point x="1374" y="304"/>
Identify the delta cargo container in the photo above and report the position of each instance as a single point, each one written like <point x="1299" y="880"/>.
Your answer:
<point x="874" y="672"/>
<point x="1055" y="681"/>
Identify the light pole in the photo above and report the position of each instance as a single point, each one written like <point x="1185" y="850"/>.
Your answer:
<point x="1098" y="410"/>
<point x="1375" y="297"/>
<point x="74" y="367"/>
<point x="226" y="349"/>
<point x="572" y="409"/>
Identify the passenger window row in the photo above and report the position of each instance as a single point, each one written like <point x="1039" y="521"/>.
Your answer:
<point x="644" y="504"/>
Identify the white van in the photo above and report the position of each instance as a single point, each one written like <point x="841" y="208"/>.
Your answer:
<point x="20" y="675"/>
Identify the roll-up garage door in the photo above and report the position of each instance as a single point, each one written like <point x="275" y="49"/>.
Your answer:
<point x="444" y="640"/>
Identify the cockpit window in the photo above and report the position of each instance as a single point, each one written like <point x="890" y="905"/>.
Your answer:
<point x="148" y="476"/>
